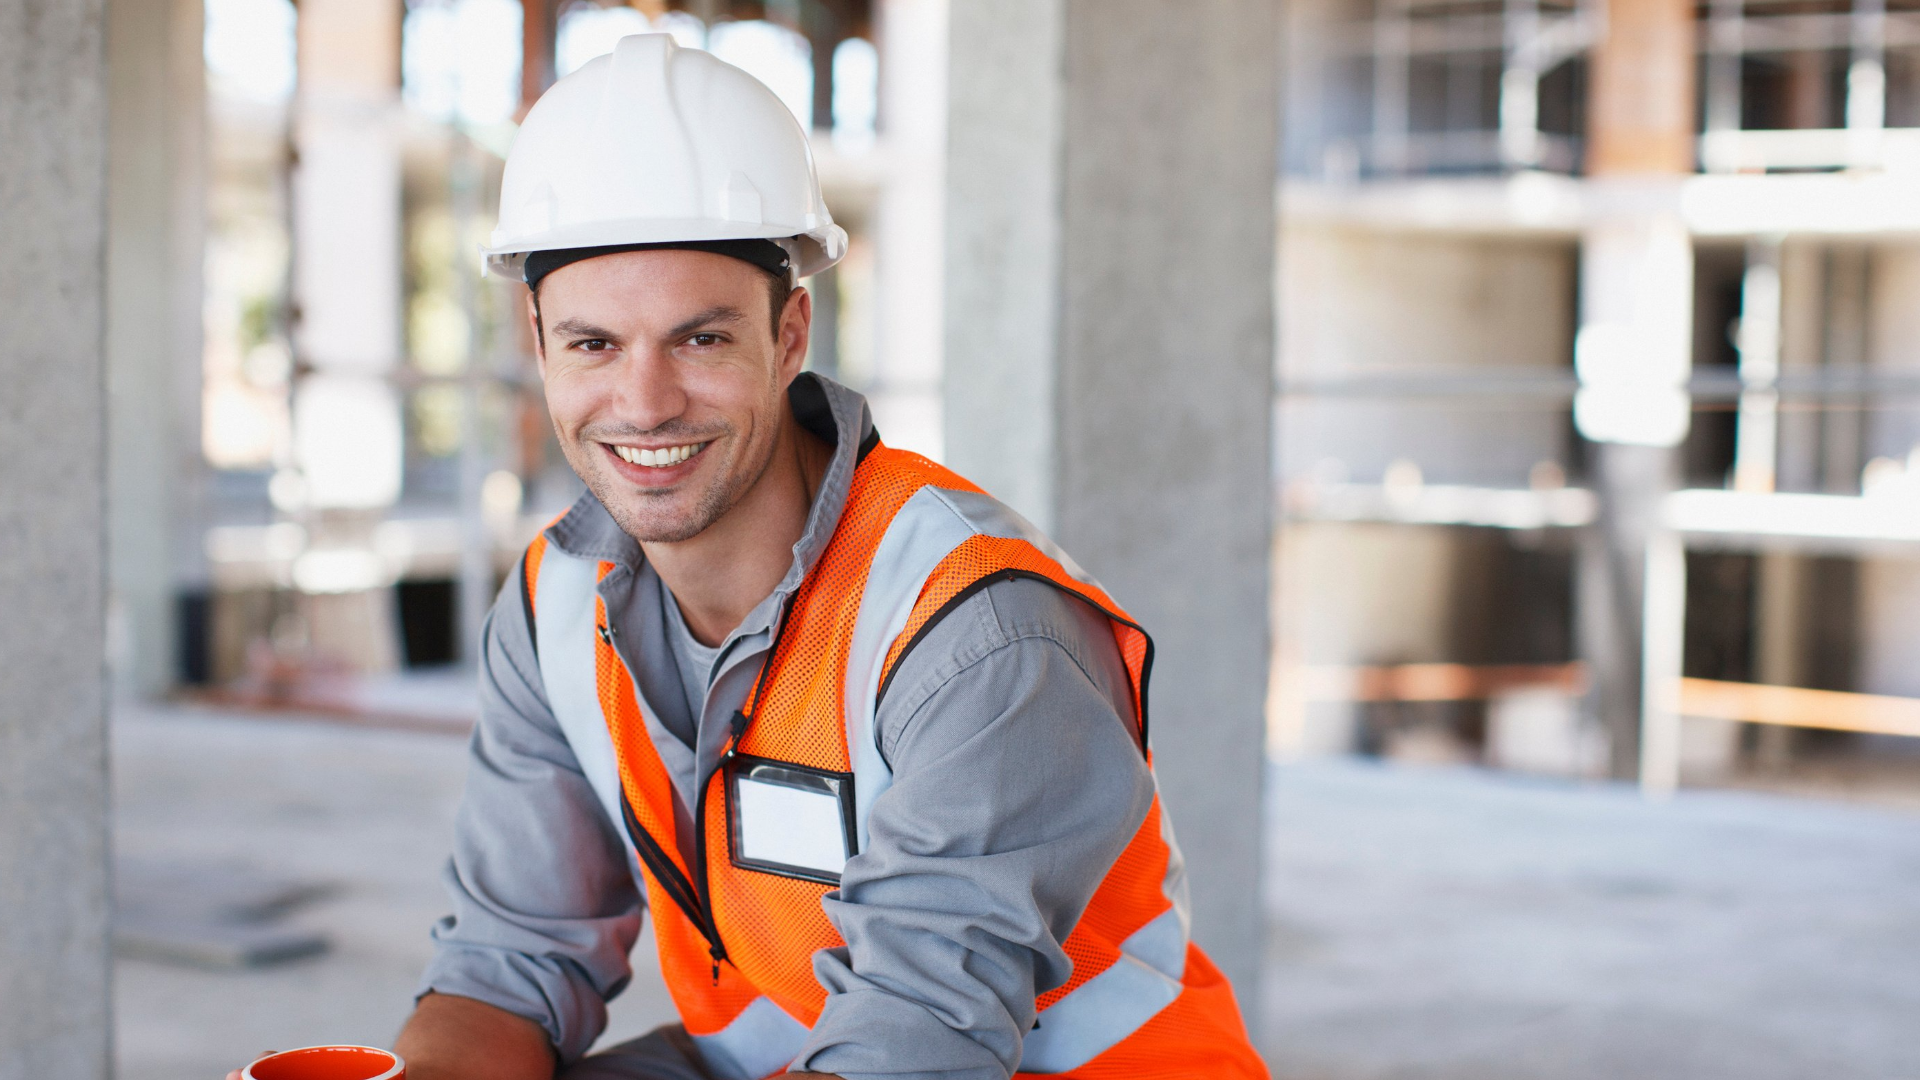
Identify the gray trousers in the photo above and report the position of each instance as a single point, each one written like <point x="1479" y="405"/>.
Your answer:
<point x="665" y="1053"/>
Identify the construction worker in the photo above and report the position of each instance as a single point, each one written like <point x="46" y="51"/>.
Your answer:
<point x="872" y="750"/>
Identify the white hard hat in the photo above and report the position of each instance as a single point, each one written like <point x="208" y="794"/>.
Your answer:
<point x="659" y="144"/>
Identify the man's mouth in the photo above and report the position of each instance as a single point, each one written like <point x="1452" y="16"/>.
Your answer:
<point x="664" y="457"/>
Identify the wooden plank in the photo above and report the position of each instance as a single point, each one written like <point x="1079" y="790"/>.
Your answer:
<point x="1435" y="682"/>
<point x="1793" y="706"/>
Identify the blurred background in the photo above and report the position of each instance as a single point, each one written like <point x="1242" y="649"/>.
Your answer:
<point x="1587" y="492"/>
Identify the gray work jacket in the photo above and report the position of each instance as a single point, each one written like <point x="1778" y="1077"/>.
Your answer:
<point x="1017" y="781"/>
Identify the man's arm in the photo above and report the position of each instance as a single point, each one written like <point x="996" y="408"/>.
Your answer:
<point x="544" y="905"/>
<point x="457" y="1038"/>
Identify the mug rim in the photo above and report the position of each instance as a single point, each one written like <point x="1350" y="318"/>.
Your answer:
<point x="390" y="1074"/>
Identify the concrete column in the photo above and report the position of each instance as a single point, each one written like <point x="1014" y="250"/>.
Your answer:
<point x="348" y="440"/>
<point x="908" y="234"/>
<point x="538" y="27"/>
<point x="1640" y="104"/>
<point x="347" y="252"/>
<point x="1633" y="354"/>
<point x="53" y="772"/>
<point x="1110" y="354"/>
<point x="156" y="216"/>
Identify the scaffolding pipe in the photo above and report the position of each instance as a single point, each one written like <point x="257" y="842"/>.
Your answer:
<point x="1392" y="63"/>
<point x="1663" y="637"/>
<point x="1520" y="87"/>
<point x="1757" y="430"/>
<point x="476" y="540"/>
<point x="1725" y="52"/>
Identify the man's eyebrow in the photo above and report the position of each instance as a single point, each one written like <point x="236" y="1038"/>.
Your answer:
<point x="719" y="314"/>
<point x="582" y="328"/>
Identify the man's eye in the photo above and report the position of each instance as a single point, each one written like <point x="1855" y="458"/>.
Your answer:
<point x="593" y="345"/>
<point x="704" y="340"/>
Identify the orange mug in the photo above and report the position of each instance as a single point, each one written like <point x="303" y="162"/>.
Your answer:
<point x="328" y="1063"/>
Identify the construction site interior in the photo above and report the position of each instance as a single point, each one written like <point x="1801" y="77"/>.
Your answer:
<point x="1590" y="467"/>
<point x="1453" y="577"/>
<point x="1552" y="424"/>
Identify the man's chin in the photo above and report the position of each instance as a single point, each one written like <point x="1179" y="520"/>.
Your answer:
<point x="658" y="517"/>
<point x="650" y="523"/>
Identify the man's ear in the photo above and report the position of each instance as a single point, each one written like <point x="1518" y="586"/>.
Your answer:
<point x="796" y="323"/>
<point x="539" y="332"/>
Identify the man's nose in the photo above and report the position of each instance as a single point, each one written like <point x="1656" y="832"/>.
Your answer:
<point x="651" y="393"/>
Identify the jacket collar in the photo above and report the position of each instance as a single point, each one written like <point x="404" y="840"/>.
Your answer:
<point x="822" y="406"/>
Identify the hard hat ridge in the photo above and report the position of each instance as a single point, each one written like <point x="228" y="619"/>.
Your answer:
<point x="654" y="144"/>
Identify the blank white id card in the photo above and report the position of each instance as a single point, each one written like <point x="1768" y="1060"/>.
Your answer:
<point x="790" y="820"/>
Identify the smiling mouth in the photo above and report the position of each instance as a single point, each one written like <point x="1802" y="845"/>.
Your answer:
<point x="662" y="458"/>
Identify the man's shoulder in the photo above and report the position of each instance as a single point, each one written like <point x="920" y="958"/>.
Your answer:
<point x="1020" y="613"/>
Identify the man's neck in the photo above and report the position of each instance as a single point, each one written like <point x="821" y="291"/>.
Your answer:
<point x="722" y="574"/>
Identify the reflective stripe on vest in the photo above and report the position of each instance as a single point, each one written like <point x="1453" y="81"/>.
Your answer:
<point x="1143" y="1001"/>
<point x="565" y="593"/>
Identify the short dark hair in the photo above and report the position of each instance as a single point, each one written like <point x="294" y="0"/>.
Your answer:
<point x="779" y="291"/>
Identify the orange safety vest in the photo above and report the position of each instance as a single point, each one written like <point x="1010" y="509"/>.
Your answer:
<point x="737" y="935"/>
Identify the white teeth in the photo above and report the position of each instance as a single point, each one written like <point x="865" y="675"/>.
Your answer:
<point x="661" y="458"/>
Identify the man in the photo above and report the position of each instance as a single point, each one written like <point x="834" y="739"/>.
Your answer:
<point x="869" y="748"/>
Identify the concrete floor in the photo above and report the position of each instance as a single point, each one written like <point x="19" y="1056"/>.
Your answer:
<point x="1440" y="924"/>
<point x="366" y="812"/>
<point x="1426" y="923"/>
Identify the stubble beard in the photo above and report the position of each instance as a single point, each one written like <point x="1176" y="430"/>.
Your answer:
<point x="630" y="508"/>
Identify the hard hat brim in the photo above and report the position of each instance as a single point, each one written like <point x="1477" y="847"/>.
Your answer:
<point x="820" y="247"/>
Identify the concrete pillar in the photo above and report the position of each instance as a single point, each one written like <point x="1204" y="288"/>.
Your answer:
<point x="1110" y="354"/>
<point x="156" y="201"/>
<point x="825" y="28"/>
<point x="1842" y="425"/>
<point x="908" y="235"/>
<point x="538" y="30"/>
<point x="1803" y="330"/>
<point x="348" y="440"/>
<point x="53" y="770"/>
<point x="1640" y="104"/>
<point x="1633" y="355"/>
<point x="347" y="252"/>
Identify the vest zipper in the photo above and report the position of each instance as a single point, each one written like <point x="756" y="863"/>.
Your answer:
<point x="695" y="898"/>
<point x="703" y="890"/>
<point x="672" y="881"/>
<point x="653" y="855"/>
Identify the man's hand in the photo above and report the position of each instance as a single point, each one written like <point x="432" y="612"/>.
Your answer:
<point x="457" y="1038"/>
<point x="462" y="1039"/>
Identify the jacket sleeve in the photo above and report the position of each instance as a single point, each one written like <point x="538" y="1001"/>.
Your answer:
<point x="1018" y="781"/>
<point x="545" y="909"/>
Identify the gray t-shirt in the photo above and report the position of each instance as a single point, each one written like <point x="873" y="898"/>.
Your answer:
<point x="695" y="663"/>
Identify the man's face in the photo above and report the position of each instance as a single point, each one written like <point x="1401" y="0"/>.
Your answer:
<point x="666" y="382"/>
